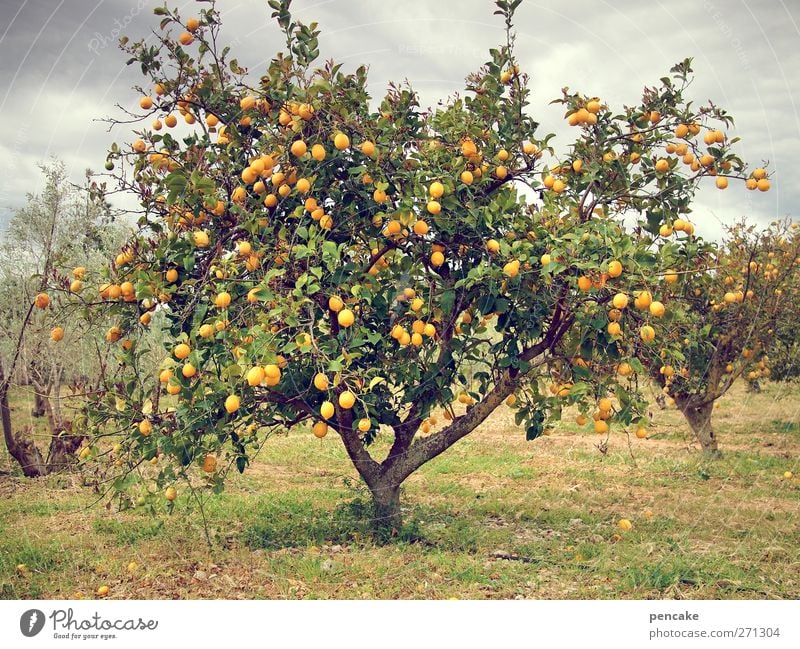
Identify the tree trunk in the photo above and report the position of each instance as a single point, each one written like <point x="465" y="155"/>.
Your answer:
<point x="38" y="409"/>
<point x="23" y="450"/>
<point x="387" y="518"/>
<point x="63" y="446"/>
<point x="699" y="418"/>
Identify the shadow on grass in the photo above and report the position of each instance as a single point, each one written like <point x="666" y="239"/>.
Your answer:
<point x="289" y="522"/>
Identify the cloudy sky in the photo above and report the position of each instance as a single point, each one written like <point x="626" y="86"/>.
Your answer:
<point x="61" y="70"/>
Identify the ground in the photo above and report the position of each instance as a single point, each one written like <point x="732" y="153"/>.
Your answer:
<point x="494" y="517"/>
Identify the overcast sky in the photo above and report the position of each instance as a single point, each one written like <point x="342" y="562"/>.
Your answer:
<point x="61" y="70"/>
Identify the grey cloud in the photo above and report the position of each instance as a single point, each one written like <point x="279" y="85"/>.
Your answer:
<point x="746" y="59"/>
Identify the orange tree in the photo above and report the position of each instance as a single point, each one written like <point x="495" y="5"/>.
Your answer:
<point x="725" y="322"/>
<point x="378" y="272"/>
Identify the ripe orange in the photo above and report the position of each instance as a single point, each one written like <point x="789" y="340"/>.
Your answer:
<point x="436" y="190"/>
<point x="320" y="429"/>
<point x="620" y="301"/>
<point x="318" y="152"/>
<point x="368" y="148"/>
<point x="437" y="258"/>
<point x="493" y="246"/>
<point x="335" y="303"/>
<point x="200" y="239"/>
<point x="326" y="410"/>
<point x="624" y="369"/>
<point x="364" y="424"/>
<point x="641" y="432"/>
<point x="222" y="300"/>
<point x="209" y="464"/>
<point x="600" y="427"/>
<point x="434" y="207"/>
<point x="722" y="182"/>
<point x="468" y="148"/>
<point x="657" y="309"/>
<point x="186" y="38"/>
<point x="341" y="141"/>
<point x="171" y="493"/>
<point x="145" y="427"/>
<point x="182" y="351"/>
<point x="57" y="334"/>
<point x="255" y="376"/>
<point x="273" y="374"/>
<point x="188" y="370"/>
<point x="511" y="269"/>
<point x="421" y="228"/>
<point x="763" y="185"/>
<point x="298" y="148"/>
<point x="347" y="400"/>
<point x="584" y="283"/>
<point x="321" y="381"/>
<point x="165" y="375"/>
<point x="346" y="318"/>
<point x="614" y="269"/>
<point x="232" y="403"/>
<point x="393" y="227"/>
<point x="624" y="524"/>
<point x="42" y="301"/>
<point x="467" y="178"/>
<point x="647" y="333"/>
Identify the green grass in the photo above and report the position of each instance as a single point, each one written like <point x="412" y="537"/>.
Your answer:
<point x="494" y="517"/>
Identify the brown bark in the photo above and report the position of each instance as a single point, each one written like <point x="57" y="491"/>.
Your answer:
<point x="698" y="414"/>
<point x="387" y="518"/>
<point x="63" y="446"/>
<point x="38" y="409"/>
<point x="23" y="450"/>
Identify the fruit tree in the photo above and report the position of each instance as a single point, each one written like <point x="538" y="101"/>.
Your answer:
<point x="725" y="321"/>
<point x="384" y="273"/>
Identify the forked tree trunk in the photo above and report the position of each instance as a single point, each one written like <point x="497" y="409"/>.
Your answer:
<point x="699" y="418"/>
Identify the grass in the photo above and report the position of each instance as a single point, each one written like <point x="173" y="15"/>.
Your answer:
<point x="494" y="517"/>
